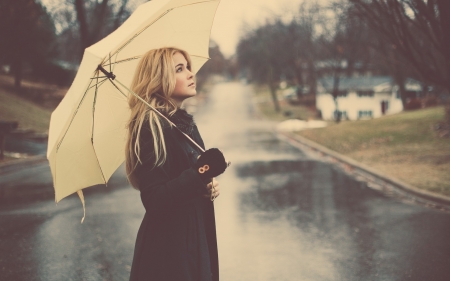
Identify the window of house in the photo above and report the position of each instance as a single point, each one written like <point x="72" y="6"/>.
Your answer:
<point x="342" y="114"/>
<point x="365" y="93"/>
<point x="341" y="94"/>
<point x="365" y="114"/>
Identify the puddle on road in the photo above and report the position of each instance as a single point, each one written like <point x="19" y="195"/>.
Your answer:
<point x="283" y="184"/>
<point x="307" y="219"/>
<point x="312" y="195"/>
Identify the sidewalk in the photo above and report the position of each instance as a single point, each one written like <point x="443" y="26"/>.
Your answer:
<point x="374" y="178"/>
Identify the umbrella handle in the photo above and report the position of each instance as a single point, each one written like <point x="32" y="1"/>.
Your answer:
<point x="110" y="75"/>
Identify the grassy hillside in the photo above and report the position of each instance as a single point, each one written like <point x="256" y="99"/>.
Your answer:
<point x="28" y="114"/>
<point x="404" y="145"/>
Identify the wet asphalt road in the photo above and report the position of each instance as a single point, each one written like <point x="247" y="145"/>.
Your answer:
<point x="281" y="215"/>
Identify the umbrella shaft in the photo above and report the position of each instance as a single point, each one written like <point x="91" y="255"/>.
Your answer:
<point x="156" y="111"/>
<point x="110" y="75"/>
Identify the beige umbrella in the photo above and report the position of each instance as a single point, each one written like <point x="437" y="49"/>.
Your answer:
<point x="87" y="132"/>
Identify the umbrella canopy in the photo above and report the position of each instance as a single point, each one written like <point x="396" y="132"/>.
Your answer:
<point x="87" y="132"/>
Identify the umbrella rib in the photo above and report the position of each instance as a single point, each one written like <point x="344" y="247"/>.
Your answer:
<point x="156" y="111"/>
<point x="124" y="60"/>
<point x="138" y="33"/>
<point x="150" y="24"/>
<point x="199" y="2"/>
<point x="73" y="116"/>
<point x="118" y="88"/>
<point x="113" y="64"/>
<point x="92" y="132"/>
<point x="109" y="59"/>
<point x="99" y="83"/>
<point x="197" y="56"/>
<point x="93" y="112"/>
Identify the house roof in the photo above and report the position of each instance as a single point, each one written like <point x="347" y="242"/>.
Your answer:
<point x="356" y="83"/>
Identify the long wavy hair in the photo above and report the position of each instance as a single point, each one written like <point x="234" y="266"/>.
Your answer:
<point x="154" y="81"/>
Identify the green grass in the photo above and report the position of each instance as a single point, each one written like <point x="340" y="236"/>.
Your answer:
<point x="407" y="128"/>
<point x="404" y="145"/>
<point x="28" y="114"/>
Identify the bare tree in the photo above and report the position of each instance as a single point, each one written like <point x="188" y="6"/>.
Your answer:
<point x="417" y="30"/>
<point x="342" y="44"/>
<point x="301" y="45"/>
<point x="98" y="18"/>
<point x="262" y="53"/>
<point x="84" y="22"/>
<point x="282" y="50"/>
<point x="216" y="65"/>
<point x="27" y="35"/>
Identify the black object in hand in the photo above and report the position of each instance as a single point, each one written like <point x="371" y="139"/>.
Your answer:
<point x="211" y="163"/>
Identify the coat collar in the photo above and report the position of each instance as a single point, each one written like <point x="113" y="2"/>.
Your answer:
<point x="183" y="120"/>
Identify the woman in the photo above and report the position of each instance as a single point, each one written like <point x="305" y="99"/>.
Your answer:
<point x="177" y="237"/>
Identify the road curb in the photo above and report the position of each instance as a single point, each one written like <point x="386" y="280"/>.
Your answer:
<point x="440" y="200"/>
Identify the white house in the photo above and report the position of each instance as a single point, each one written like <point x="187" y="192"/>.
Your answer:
<point x="361" y="97"/>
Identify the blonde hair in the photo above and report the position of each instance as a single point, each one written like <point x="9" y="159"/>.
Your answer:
<point x="154" y="81"/>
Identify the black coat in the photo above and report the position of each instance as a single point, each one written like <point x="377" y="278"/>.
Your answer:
<point x="177" y="238"/>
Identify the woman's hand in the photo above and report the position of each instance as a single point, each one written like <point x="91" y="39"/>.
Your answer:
<point x="212" y="189"/>
<point x="211" y="163"/>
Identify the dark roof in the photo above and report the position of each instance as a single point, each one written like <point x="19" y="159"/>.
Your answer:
<point x="355" y="83"/>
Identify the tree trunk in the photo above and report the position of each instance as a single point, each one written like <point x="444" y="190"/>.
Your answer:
<point x="118" y="20"/>
<point x="335" y="94"/>
<point x="299" y="78"/>
<point x="400" y="81"/>
<point x="444" y="13"/>
<point x="444" y="16"/>
<point x="273" y="91"/>
<point x="99" y="21"/>
<point x="312" y="77"/>
<point x="337" y="113"/>
<point x="82" y="23"/>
